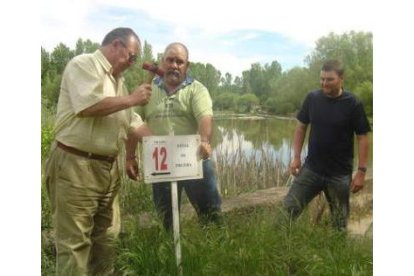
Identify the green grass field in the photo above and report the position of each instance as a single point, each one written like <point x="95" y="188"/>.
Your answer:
<point x="251" y="241"/>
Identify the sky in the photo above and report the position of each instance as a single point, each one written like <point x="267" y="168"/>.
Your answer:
<point x="230" y="35"/>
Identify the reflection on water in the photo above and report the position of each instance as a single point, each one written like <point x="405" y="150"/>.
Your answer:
<point x="233" y="142"/>
<point x="255" y="153"/>
<point x="255" y="137"/>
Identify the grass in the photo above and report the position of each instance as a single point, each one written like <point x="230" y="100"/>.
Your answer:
<point x="253" y="241"/>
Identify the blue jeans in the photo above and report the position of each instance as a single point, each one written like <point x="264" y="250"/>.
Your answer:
<point x="309" y="184"/>
<point x="202" y="193"/>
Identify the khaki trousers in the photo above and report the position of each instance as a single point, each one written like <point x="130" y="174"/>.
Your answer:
<point x="85" y="210"/>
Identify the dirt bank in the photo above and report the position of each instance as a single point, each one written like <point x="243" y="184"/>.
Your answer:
<point x="360" y="222"/>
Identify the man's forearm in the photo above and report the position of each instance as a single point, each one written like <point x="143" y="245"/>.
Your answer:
<point x="363" y="145"/>
<point x="107" y="106"/>
<point x="205" y="128"/>
<point x="133" y="138"/>
<point x="298" y="140"/>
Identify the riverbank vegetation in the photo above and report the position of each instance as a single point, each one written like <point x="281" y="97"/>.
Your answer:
<point x="264" y="88"/>
<point x="251" y="241"/>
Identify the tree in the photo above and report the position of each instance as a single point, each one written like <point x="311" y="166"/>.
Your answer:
<point x="355" y="51"/>
<point x="364" y="93"/>
<point x="60" y="57"/>
<point x="289" y="91"/>
<point x="86" y="46"/>
<point x="225" y="101"/>
<point x="135" y="76"/>
<point x="207" y="74"/>
<point x="247" y="103"/>
<point x="262" y="86"/>
<point x="45" y="62"/>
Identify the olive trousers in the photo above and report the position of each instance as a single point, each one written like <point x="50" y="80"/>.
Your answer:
<point x="85" y="209"/>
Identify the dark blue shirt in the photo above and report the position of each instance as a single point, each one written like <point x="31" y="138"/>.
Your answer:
<point x="333" y="123"/>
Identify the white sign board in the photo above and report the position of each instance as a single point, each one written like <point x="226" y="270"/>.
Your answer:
<point x="171" y="158"/>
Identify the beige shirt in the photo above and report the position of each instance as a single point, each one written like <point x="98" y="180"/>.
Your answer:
<point x="88" y="79"/>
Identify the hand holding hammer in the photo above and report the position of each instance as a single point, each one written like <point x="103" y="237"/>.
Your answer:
<point x="142" y="93"/>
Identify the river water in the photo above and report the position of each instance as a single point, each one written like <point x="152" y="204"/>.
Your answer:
<point x="261" y="147"/>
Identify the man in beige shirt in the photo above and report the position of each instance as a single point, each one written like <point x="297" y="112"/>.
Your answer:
<point x="94" y="117"/>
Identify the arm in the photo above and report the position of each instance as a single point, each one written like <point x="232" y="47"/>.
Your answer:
<point x="359" y="177"/>
<point x="298" y="140"/>
<point x="131" y="142"/>
<point x="205" y="129"/>
<point x="109" y="105"/>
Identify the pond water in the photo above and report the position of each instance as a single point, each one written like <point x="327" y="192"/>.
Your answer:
<point x="254" y="137"/>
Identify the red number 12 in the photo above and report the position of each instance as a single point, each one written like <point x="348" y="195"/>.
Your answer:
<point x="163" y="154"/>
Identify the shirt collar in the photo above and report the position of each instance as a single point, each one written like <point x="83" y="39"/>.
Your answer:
<point x="105" y="64"/>
<point x="160" y="83"/>
<point x="103" y="61"/>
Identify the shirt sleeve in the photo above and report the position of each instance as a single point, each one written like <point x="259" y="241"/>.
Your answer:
<point x="201" y="102"/>
<point x="360" y="120"/>
<point x="136" y="121"/>
<point x="303" y="114"/>
<point x="84" y="83"/>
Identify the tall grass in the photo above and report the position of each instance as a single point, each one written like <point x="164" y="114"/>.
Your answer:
<point x="253" y="241"/>
<point x="248" y="243"/>
<point x="239" y="173"/>
<point x="47" y="238"/>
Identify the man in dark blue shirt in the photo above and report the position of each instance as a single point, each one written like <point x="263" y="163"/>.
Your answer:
<point x="335" y="115"/>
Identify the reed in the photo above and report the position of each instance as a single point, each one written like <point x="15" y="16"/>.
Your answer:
<point x="239" y="173"/>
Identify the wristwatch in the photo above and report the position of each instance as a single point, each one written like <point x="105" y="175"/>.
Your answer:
<point x="362" y="169"/>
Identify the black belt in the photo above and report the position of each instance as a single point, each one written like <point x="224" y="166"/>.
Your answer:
<point x="85" y="154"/>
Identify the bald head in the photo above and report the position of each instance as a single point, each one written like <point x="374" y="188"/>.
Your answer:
<point x="175" y="64"/>
<point x="177" y="46"/>
<point x="123" y="34"/>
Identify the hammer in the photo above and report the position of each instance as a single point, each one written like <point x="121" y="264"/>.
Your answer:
<point x="153" y="70"/>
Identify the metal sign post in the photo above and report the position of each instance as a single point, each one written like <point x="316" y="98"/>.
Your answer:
<point x="169" y="159"/>
<point x="176" y="226"/>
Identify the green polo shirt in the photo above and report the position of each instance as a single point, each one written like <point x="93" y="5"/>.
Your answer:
<point x="88" y="79"/>
<point x="180" y="111"/>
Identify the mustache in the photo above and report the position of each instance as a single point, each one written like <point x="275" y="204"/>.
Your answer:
<point x="173" y="73"/>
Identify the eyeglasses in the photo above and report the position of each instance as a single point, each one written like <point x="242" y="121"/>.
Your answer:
<point x="132" y="58"/>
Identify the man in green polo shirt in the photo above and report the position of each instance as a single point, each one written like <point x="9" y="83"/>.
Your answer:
<point x="94" y="117"/>
<point x="181" y="105"/>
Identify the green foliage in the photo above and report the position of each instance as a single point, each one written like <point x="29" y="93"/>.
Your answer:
<point x="253" y="241"/>
<point x="225" y="101"/>
<point x="259" y="79"/>
<point x="364" y="92"/>
<point x="207" y="74"/>
<point x="355" y="50"/>
<point x="60" y="57"/>
<point x="87" y="46"/>
<point x="47" y="135"/>
<point x="46" y="140"/>
<point x="130" y="192"/>
<point x="289" y="92"/>
<point x="278" y="92"/>
<point x="50" y="88"/>
<point x="246" y="103"/>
